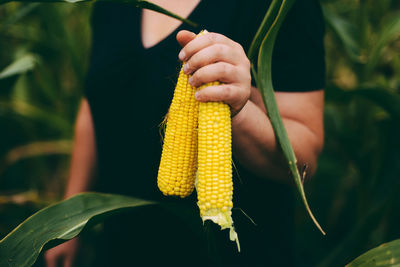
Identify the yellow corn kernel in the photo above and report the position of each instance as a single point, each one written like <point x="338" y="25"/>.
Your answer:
<point x="214" y="182"/>
<point x="178" y="164"/>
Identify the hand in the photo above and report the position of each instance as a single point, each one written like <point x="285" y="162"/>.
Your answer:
<point x="214" y="57"/>
<point x="63" y="255"/>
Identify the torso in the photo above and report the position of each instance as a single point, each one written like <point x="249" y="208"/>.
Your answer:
<point x="129" y="87"/>
<point x="155" y="26"/>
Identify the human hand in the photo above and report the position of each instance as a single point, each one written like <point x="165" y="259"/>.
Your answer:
<point x="214" y="57"/>
<point x="63" y="255"/>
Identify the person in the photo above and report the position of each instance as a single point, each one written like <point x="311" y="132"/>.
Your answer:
<point x="133" y="66"/>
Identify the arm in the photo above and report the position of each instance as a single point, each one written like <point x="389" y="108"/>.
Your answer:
<point x="83" y="161"/>
<point x="215" y="57"/>
<point x="254" y="142"/>
<point x="82" y="170"/>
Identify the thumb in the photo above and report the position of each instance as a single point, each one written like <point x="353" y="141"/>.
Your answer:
<point x="183" y="37"/>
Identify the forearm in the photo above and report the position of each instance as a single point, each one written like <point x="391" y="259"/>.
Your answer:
<point x="214" y="57"/>
<point x="83" y="160"/>
<point x="255" y="145"/>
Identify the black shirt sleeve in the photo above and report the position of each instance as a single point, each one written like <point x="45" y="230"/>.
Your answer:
<point x="298" y="62"/>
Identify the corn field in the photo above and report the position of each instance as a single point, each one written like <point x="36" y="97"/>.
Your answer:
<point x="355" y="193"/>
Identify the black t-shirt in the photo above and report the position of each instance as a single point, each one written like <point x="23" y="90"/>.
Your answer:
<point x="129" y="89"/>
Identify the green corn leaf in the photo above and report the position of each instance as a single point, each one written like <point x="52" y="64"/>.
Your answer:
<point x="58" y="223"/>
<point x="19" y="66"/>
<point x="137" y="3"/>
<point x="389" y="101"/>
<point x="40" y="148"/>
<point x="264" y="83"/>
<point x="22" y="11"/>
<point x="29" y="111"/>
<point x="387" y="254"/>
<point x="35" y="149"/>
<point x="390" y="31"/>
<point x="340" y="254"/>
<point x="345" y="32"/>
<point x="263" y="29"/>
<point x="22" y="198"/>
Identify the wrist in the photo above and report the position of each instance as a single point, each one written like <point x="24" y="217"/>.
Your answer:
<point x="240" y="116"/>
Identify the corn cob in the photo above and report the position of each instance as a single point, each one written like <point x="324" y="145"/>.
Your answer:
<point x="178" y="164"/>
<point x="214" y="178"/>
<point x="176" y="175"/>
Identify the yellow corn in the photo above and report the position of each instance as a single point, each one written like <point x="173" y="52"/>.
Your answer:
<point x="210" y="149"/>
<point x="214" y="181"/>
<point x="178" y="164"/>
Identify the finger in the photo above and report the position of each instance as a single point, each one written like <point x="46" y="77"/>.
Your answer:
<point x="49" y="258"/>
<point x="212" y="54"/>
<point x="226" y="93"/>
<point x="203" y="41"/>
<point x="183" y="37"/>
<point x="50" y="262"/>
<point x="220" y="71"/>
<point x="52" y="259"/>
<point x="68" y="262"/>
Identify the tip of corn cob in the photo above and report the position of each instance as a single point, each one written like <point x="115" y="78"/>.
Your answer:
<point x="223" y="219"/>
<point x="220" y="217"/>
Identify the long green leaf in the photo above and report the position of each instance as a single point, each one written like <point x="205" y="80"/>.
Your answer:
<point x="387" y="254"/>
<point x="58" y="223"/>
<point x="35" y="149"/>
<point x="345" y="31"/>
<point x="137" y="3"/>
<point x="264" y="83"/>
<point x="19" y="66"/>
<point x="39" y="148"/>
<point x="390" y="101"/>
<point x="22" y="11"/>
<point x="263" y="29"/>
<point x="29" y="111"/>
<point x="391" y="30"/>
<point x="366" y="224"/>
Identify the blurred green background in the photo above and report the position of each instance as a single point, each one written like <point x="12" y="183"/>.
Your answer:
<point x="355" y="194"/>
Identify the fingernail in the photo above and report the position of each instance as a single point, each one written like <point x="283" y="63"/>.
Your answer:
<point x="181" y="55"/>
<point x="185" y="67"/>
<point x="196" y="95"/>
<point x="191" y="80"/>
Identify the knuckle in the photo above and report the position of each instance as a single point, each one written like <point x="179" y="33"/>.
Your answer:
<point x="219" y="50"/>
<point x="195" y="62"/>
<point x="224" y="69"/>
<point x="212" y="37"/>
<point x="248" y="77"/>
<point x="227" y="92"/>
<point x="247" y="62"/>
<point x="230" y="70"/>
<point x="237" y="46"/>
